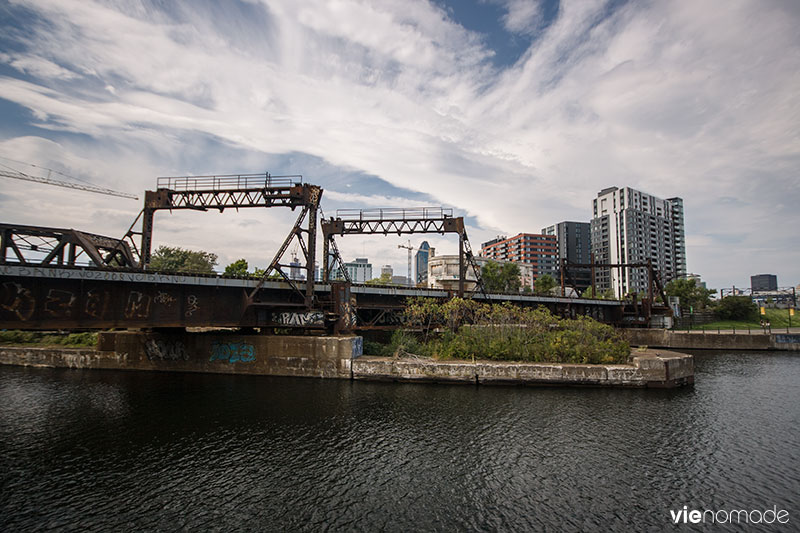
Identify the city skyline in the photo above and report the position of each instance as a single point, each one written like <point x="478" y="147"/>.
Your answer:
<point x="515" y="113"/>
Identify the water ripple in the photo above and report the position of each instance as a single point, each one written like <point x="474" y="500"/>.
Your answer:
<point x="136" y="451"/>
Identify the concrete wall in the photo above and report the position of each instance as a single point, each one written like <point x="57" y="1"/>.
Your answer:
<point x="328" y="357"/>
<point x="661" y="338"/>
<point x="646" y="369"/>
<point x="338" y="357"/>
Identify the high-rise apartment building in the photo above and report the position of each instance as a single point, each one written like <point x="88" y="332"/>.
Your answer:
<point x="573" y="243"/>
<point x="630" y="226"/>
<point x="539" y="251"/>
<point x="360" y="270"/>
<point x="764" y="282"/>
<point x="421" y="263"/>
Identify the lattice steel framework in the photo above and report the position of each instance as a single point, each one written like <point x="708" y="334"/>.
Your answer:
<point x="201" y="193"/>
<point x="42" y="246"/>
<point x="402" y="222"/>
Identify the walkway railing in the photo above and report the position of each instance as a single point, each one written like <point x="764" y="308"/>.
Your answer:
<point x="227" y="182"/>
<point x="395" y="213"/>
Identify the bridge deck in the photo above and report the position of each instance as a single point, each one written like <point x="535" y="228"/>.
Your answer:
<point x="57" y="297"/>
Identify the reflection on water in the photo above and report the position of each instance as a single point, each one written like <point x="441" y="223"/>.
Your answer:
<point x="114" y="450"/>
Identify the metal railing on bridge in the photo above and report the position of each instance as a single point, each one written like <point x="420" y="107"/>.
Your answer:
<point x="227" y="182"/>
<point x="395" y="213"/>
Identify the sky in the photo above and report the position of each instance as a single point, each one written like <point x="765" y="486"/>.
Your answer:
<point x="514" y="113"/>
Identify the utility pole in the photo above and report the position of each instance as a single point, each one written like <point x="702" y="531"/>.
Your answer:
<point x="410" y="249"/>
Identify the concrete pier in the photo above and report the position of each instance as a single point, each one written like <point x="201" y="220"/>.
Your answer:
<point x="649" y="368"/>
<point x="338" y="357"/>
<point x="269" y="355"/>
<point x="664" y="338"/>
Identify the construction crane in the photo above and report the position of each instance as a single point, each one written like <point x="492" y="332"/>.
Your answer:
<point x="9" y="172"/>
<point x="410" y="249"/>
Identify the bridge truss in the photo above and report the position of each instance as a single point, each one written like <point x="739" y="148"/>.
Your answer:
<point x="402" y="221"/>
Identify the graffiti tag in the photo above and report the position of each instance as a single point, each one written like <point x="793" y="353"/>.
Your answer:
<point x="191" y="304"/>
<point x="18" y="300"/>
<point x="165" y="350"/>
<point x="96" y="303"/>
<point x="138" y="305"/>
<point x="233" y="352"/>
<point x="309" y="318"/>
<point x="164" y="299"/>
<point x="59" y="303"/>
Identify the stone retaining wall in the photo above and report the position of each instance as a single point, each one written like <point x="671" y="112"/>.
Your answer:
<point x="337" y="357"/>
<point x="664" y="338"/>
<point x="646" y="369"/>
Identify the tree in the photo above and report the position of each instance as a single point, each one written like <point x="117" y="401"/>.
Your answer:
<point x="500" y="278"/>
<point x="692" y="296"/>
<point x="171" y="259"/>
<point x="237" y="269"/>
<point x="736" y="308"/>
<point x="607" y="294"/>
<point x="544" y="284"/>
<point x="385" y="279"/>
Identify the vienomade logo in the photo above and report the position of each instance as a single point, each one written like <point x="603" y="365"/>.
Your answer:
<point x="733" y="516"/>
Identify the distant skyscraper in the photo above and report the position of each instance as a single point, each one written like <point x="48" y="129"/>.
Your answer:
<point x="360" y="270"/>
<point x="573" y="244"/>
<point x="764" y="282"/>
<point x="421" y="259"/>
<point x="539" y="251"/>
<point x="630" y="226"/>
<point x="387" y="269"/>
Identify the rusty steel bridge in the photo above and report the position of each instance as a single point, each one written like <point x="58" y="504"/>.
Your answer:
<point x="56" y="278"/>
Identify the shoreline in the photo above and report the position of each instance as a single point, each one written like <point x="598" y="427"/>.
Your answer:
<point x="340" y="358"/>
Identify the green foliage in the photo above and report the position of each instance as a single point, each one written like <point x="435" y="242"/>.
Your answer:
<point x="385" y="279"/>
<point x="171" y="259"/>
<point x="736" y="308"/>
<point x="692" y="296"/>
<point x="465" y="329"/>
<point x="14" y="337"/>
<point x="501" y="277"/>
<point x="238" y="269"/>
<point x="544" y="284"/>
<point x="607" y="294"/>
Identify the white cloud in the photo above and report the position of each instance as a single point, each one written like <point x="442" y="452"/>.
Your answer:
<point x="691" y="99"/>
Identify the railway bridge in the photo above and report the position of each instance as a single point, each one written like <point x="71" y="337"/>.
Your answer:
<point x="56" y="278"/>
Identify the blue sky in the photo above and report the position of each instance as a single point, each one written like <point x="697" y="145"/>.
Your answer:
<point x="513" y="112"/>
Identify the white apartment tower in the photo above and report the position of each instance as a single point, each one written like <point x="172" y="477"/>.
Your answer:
<point x="629" y="226"/>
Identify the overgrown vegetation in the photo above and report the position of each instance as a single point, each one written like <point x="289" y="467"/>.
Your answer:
<point x="693" y="297"/>
<point x="169" y="259"/>
<point x="736" y="308"/>
<point x="777" y="318"/>
<point x="16" y="337"/>
<point x="465" y="329"/>
<point x="499" y="277"/>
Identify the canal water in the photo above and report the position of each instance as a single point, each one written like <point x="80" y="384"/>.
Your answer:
<point x="124" y="451"/>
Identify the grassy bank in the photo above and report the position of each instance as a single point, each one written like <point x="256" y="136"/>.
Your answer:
<point x="778" y="318"/>
<point x="464" y="329"/>
<point x="46" y="338"/>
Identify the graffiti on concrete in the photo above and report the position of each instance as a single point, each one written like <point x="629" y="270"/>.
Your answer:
<point x="165" y="350"/>
<point x="59" y="303"/>
<point x="309" y="318"/>
<point x="233" y="352"/>
<point x="358" y="347"/>
<point x="783" y="338"/>
<point x="97" y="303"/>
<point x="164" y="299"/>
<point x="191" y="305"/>
<point x="138" y="305"/>
<point x="18" y="300"/>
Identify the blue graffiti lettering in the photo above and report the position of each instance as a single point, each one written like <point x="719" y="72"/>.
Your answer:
<point x="233" y="352"/>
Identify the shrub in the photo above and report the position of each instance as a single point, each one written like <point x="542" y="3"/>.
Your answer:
<point x="736" y="308"/>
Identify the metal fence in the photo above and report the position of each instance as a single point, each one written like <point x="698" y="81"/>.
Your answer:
<point x="227" y="182"/>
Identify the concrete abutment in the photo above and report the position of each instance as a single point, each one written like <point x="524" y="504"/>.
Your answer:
<point x="337" y="357"/>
